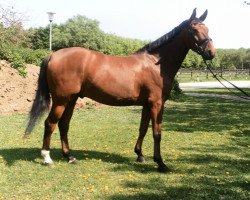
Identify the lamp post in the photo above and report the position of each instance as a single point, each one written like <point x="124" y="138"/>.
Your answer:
<point x="51" y="16"/>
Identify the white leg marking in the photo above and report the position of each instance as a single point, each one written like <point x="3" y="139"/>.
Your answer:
<point x="47" y="158"/>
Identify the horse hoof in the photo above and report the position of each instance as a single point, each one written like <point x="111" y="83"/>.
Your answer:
<point x="141" y="159"/>
<point x="72" y="160"/>
<point x="48" y="164"/>
<point x="163" y="169"/>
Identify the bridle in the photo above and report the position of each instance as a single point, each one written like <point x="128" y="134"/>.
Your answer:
<point x="200" y="45"/>
<point x="200" y="49"/>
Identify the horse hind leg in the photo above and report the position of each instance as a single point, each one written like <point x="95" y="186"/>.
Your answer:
<point x="50" y="124"/>
<point x="145" y="118"/>
<point x="63" y="125"/>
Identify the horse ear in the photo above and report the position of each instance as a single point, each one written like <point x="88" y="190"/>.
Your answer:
<point x="193" y="15"/>
<point x="203" y="16"/>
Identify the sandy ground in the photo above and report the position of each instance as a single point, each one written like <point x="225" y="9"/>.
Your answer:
<point x="17" y="93"/>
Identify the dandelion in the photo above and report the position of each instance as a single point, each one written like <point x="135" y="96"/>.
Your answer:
<point x="85" y="177"/>
<point x="106" y="188"/>
<point x="101" y="179"/>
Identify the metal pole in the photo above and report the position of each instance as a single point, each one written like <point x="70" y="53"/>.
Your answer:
<point x="50" y="36"/>
<point x="50" y="15"/>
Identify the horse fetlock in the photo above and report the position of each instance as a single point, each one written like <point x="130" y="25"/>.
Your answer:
<point x="47" y="159"/>
<point x="158" y="160"/>
<point x="66" y="154"/>
<point x="137" y="150"/>
<point x="161" y="166"/>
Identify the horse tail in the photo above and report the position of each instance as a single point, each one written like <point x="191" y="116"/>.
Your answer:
<point x="42" y="98"/>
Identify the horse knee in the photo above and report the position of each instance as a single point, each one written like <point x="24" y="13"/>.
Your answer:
<point x="157" y="136"/>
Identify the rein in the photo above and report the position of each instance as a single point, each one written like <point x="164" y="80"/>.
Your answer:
<point x="247" y="96"/>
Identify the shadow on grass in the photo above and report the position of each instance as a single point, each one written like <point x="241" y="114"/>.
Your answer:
<point x="31" y="154"/>
<point x="207" y="175"/>
<point x="10" y="156"/>
<point x="219" y="159"/>
<point x="206" y="114"/>
<point x="203" y="189"/>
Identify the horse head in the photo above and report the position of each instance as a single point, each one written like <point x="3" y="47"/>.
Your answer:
<point x="197" y="36"/>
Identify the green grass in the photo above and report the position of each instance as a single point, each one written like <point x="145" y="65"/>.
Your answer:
<point x="205" y="143"/>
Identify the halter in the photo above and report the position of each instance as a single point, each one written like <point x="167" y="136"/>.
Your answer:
<point x="200" y="45"/>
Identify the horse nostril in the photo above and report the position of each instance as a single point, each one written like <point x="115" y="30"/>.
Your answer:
<point x="210" y="53"/>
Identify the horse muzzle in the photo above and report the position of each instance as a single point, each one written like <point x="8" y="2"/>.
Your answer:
<point x="208" y="55"/>
<point x="206" y="49"/>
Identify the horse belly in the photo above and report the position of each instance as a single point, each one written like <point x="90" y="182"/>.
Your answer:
<point x="114" y="94"/>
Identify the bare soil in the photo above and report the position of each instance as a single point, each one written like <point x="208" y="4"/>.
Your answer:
<point x="17" y="93"/>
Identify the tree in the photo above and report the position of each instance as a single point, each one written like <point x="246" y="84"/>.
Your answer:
<point x="84" y="32"/>
<point x="11" y="27"/>
<point x="78" y="31"/>
<point x="193" y="60"/>
<point x="39" y="37"/>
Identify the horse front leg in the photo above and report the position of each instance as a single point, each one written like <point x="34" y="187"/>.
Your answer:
<point x="145" y="118"/>
<point x="49" y="126"/>
<point x="156" y="116"/>
<point x="63" y="126"/>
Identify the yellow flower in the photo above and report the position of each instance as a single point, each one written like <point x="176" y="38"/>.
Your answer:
<point x="106" y="188"/>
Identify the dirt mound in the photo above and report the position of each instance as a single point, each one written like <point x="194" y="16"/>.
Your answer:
<point x="17" y="93"/>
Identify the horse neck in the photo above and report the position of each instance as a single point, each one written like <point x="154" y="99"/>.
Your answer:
<point x="171" y="56"/>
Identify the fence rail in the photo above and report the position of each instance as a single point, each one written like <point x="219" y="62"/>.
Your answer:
<point x="205" y="75"/>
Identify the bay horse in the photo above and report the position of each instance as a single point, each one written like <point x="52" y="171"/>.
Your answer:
<point x="143" y="78"/>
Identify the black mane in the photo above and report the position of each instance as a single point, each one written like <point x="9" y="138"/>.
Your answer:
<point x="165" y="38"/>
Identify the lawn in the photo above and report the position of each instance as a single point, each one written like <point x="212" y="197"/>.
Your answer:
<point x="205" y="143"/>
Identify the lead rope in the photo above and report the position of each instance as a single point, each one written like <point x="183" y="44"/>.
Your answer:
<point x="216" y="77"/>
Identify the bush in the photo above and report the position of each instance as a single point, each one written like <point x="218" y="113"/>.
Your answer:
<point x="11" y="54"/>
<point x="19" y="57"/>
<point x="33" y="56"/>
<point x="176" y="91"/>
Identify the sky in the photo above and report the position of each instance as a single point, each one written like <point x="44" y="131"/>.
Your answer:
<point x="227" y="20"/>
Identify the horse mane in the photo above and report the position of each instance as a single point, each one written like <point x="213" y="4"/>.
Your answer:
<point x="164" y="39"/>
